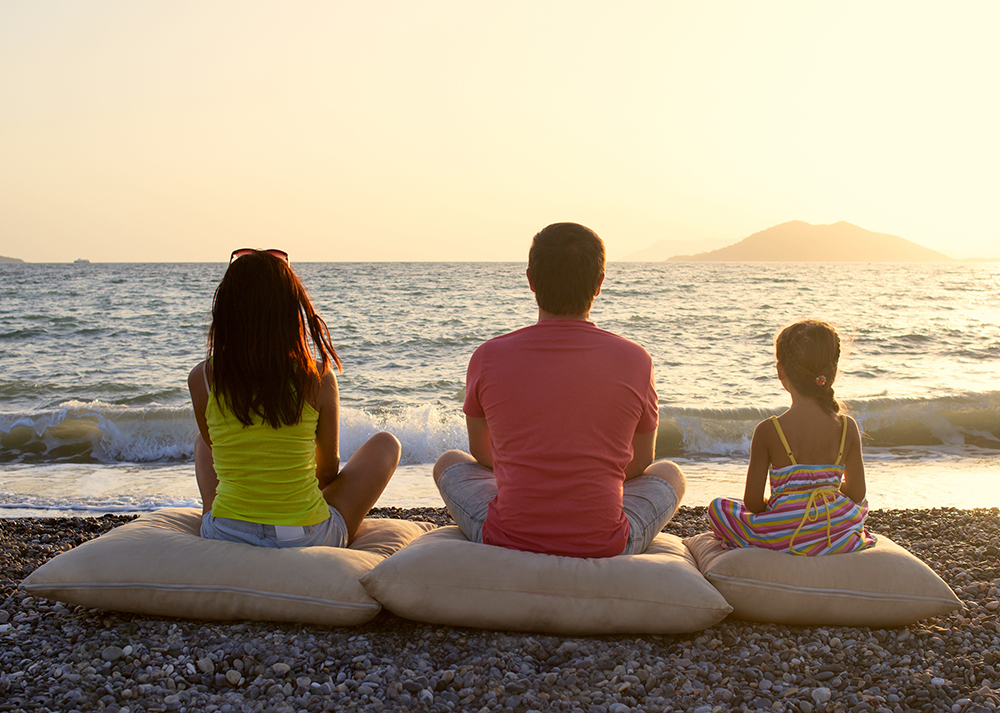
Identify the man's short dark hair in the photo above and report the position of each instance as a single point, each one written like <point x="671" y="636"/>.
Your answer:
<point x="566" y="261"/>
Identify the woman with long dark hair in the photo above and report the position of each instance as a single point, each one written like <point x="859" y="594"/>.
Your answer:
<point x="266" y="401"/>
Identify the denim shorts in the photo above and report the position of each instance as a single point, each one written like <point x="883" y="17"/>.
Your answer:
<point x="332" y="532"/>
<point x="468" y="488"/>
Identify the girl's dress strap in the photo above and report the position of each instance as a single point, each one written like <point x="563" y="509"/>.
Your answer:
<point x="784" y="441"/>
<point x="843" y="439"/>
<point x="204" y="372"/>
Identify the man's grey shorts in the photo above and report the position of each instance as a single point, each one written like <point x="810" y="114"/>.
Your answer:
<point x="332" y="532"/>
<point x="468" y="488"/>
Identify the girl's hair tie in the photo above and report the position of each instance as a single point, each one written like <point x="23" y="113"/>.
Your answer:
<point x="821" y="380"/>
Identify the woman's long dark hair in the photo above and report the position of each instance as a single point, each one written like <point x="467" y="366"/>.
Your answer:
<point x="258" y="345"/>
<point x="809" y="351"/>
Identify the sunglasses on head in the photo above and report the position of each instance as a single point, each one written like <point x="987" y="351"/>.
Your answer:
<point x="280" y="254"/>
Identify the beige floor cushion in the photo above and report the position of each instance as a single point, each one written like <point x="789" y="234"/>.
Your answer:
<point x="881" y="586"/>
<point x="159" y="565"/>
<point x="442" y="578"/>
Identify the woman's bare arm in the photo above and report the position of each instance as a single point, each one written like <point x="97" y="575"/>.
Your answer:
<point x="327" y="430"/>
<point x="199" y="398"/>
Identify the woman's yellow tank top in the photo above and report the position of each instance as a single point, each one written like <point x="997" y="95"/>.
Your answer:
<point x="266" y="475"/>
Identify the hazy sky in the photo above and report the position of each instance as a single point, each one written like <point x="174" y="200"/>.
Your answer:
<point x="176" y="131"/>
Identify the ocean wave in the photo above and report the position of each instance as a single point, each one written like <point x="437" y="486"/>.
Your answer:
<point x="98" y="432"/>
<point x="988" y="354"/>
<point x="92" y="506"/>
<point x="972" y="421"/>
<point x="22" y="334"/>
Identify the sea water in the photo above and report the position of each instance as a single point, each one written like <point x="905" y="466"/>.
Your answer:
<point x="95" y="416"/>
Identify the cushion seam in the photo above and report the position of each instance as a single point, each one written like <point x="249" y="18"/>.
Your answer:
<point x="97" y="586"/>
<point x="827" y="591"/>
<point x="553" y="595"/>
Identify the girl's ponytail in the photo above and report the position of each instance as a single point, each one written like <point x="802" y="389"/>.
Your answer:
<point x="824" y="388"/>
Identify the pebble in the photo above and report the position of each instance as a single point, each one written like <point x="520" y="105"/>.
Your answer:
<point x="821" y="694"/>
<point x="112" y="653"/>
<point x="64" y="657"/>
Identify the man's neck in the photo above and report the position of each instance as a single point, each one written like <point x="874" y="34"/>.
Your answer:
<point x="543" y="315"/>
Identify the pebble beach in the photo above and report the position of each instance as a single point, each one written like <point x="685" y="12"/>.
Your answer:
<point x="56" y="657"/>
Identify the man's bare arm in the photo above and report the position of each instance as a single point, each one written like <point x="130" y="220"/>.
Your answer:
<point x="643" y="453"/>
<point x="479" y="441"/>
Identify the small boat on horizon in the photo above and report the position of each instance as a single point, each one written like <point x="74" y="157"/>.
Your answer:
<point x="81" y="261"/>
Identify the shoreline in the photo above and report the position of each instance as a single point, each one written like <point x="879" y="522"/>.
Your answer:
<point x="921" y="480"/>
<point x="66" y="657"/>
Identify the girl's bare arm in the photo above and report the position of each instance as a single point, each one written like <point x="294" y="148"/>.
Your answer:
<point x="854" y="464"/>
<point x="760" y="461"/>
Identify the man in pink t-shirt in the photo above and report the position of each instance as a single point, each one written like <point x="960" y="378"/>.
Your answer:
<point x="562" y="420"/>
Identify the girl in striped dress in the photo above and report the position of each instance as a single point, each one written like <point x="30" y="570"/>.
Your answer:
<point x="812" y="453"/>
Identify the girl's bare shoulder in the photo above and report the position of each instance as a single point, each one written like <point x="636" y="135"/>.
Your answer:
<point x="766" y="427"/>
<point x="853" y="429"/>
<point x="766" y="440"/>
<point x="770" y="427"/>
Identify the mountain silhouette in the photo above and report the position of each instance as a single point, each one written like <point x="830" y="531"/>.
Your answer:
<point x="798" y="241"/>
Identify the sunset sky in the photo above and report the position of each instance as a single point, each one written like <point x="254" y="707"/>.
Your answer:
<point x="176" y="131"/>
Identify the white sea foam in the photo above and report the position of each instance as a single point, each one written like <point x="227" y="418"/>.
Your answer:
<point x="971" y="420"/>
<point x="106" y="433"/>
<point x="100" y="432"/>
<point x="103" y="433"/>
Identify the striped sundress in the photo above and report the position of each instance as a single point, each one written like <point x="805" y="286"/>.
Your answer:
<point x="805" y="515"/>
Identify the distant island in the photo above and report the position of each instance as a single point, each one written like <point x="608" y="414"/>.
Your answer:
<point x="9" y="259"/>
<point x="798" y="241"/>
